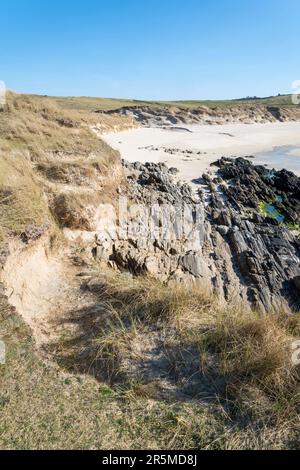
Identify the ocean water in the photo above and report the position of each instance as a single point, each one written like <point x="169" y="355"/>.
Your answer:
<point x="287" y="157"/>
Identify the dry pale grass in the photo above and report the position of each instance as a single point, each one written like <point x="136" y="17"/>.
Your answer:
<point x="250" y="353"/>
<point x="152" y="301"/>
<point x="126" y="314"/>
<point x="40" y="127"/>
<point x="139" y="325"/>
<point x="22" y="202"/>
<point x="253" y="353"/>
<point x="44" y="408"/>
<point x="94" y="103"/>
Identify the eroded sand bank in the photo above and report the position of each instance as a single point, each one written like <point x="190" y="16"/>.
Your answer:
<point x="206" y="144"/>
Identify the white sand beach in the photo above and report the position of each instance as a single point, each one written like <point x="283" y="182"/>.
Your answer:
<point x="207" y="144"/>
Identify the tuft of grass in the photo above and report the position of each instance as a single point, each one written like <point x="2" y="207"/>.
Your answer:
<point x="74" y="210"/>
<point x="67" y="172"/>
<point x="252" y="349"/>
<point x="152" y="301"/>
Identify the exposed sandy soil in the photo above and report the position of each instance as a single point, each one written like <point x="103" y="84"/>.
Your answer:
<point x="159" y="116"/>
<point x="41" y="286"/>
<point x="154" y="144"/>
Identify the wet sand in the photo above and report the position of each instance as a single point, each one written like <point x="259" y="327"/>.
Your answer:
<point x="281" y="157"/>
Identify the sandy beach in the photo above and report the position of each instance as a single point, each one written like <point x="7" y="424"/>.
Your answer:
<point x="205" y="144"/>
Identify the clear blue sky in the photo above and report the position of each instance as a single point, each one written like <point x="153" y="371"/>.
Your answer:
<point x="150" y="49"/>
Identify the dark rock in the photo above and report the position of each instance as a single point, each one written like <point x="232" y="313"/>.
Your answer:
<point x="296" y="281"/>
<point x="265" y="253"/>
<point x="33" y="232"/>
<point x="240" y="251"/>
<point x="251" y="185"/>
<point x="173" y="171"/>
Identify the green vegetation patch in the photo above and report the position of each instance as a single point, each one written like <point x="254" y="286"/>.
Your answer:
<point x="268" y="209"/>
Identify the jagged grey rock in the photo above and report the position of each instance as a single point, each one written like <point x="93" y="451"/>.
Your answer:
<point x="241" y="254"/>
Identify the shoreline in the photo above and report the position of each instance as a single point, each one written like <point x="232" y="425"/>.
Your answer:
<point x="205" y="144"/>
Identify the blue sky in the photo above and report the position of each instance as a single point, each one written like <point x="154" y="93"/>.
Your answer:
<point x="150" y="49"/>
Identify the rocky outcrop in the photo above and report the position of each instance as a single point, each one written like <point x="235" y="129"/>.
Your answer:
<point x="170" y="116"/>
<point x="153" y="240"/>
<point x="228" y="243"/>
<point x="252" y="185"/>
<point x="265" y="252"/>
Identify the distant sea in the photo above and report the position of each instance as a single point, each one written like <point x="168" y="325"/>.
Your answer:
<point x="287" y="157"/>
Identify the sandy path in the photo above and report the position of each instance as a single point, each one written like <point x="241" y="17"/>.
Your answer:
<point x="212" y="141"/>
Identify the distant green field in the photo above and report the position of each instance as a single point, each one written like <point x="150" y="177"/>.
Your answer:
<point x="86" y="103"/>
<point x="94" y="104"/>
<point x="282" y="100"/>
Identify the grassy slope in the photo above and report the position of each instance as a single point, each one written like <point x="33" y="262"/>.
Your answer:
<point x="44" y="407"/>
<point x="38" y="125"/>
<point x="35" y="134"/>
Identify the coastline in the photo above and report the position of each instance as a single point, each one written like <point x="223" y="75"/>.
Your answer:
<point x="206" y="144"/>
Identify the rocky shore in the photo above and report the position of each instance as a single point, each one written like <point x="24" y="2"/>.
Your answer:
<point x="244" y="242"/>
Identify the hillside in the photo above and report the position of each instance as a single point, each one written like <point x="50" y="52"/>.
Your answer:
<point x="164" y="113"/>
<point x="95" y="104"/>
<point x="121" y="343"/>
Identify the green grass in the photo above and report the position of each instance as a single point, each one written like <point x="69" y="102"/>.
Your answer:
<point x="264" y="208"/>
<point x="89" y="104"/>
<point x="270" y="101"/>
